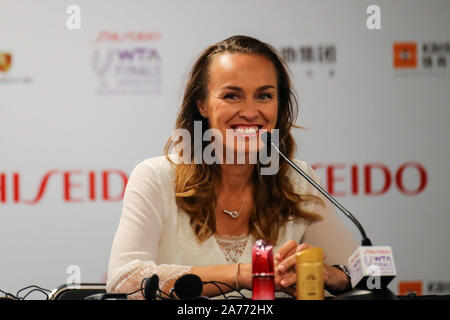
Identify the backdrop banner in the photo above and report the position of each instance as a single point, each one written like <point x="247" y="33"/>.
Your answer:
<point x="88" y="89"/>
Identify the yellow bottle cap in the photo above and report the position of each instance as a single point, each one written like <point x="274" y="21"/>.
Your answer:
<point x="310" y="255"/>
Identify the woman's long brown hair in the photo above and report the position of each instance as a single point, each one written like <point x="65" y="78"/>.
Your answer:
<point x="196" y="184"/>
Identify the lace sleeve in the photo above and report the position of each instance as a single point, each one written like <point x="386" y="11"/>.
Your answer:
<point x="136" y="243"/>
<point x="130" y="278"/>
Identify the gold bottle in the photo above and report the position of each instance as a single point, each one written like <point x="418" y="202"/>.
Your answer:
<point x="310" y="274"/>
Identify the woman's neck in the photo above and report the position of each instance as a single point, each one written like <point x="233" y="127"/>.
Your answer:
<point x="236" y="178"/>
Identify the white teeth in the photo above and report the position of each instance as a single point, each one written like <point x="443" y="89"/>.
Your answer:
<point x="247" y="130"/>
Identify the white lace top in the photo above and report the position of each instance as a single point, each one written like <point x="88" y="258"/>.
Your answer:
<point x="155" y="236"/>
<point x="232" y="246"/>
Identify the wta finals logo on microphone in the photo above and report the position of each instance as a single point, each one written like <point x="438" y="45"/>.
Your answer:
<point x="372" y="267"/>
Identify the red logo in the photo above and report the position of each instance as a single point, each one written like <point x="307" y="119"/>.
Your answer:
<point x="75" y="186"/>
<point x="132" y="36"/>
<point x="406" y="287"/>
<point x="5" y="61"/>
<point x="405" y="55"/>
<point x="372" y="179"/>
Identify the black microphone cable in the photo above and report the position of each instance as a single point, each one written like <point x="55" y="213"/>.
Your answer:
<point x="226" y="297"/>
<point x="214" y="283"/>
<point x="34" y="288"/>
<point x="8" y="295"/>
<point x="144" y="282"/>
<point x="141" y="288"/>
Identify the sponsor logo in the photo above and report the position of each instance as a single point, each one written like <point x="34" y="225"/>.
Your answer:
<point x="5" y="61"/>
<point x="6" y="74"/>
<point x="372" y="179"/>
<point x="127" y="63"/>
<point x="407" y="287"/>
<point x="316" y="60"/>
<point x="420" y="287"/>
<point x="127" y="37"/>
<point x="438" y="287"/>
<point x="428" y="58"/>
<point x="405" y="55"/>
<point x="75" y="186"/>
<point x="72" y="186"/>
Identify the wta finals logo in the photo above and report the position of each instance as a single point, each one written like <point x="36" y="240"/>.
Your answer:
<point x="127" y="63"/>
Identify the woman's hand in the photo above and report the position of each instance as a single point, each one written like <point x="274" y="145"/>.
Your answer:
<point x="284" y="265"/>
<point x="285" y="270"/>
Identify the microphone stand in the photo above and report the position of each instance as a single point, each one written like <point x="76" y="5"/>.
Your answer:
<point x="365" y="240"/>
<point x="354" y="294"/>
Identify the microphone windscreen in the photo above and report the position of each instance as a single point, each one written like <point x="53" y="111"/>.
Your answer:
<point x="150" y="287"/>
<point x="188" y="286"/>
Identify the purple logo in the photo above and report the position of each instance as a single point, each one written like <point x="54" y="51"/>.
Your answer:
<point x="127" y="68"/>
<point x="381" y="261"/>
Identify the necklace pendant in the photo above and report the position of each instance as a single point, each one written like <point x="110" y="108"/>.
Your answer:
<point x="233" y="214"/>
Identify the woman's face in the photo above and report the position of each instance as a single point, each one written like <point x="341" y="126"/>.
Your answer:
<point x="242" y="98"/>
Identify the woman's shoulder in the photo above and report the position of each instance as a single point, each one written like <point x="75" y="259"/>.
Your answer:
<point x="298" y="180"/>
<point x="155" y="168"/>
<point x="157" y="163"/>
<point x="302" y="164"/>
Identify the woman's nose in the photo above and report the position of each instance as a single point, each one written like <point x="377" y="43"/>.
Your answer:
<point x="249" y="111"/>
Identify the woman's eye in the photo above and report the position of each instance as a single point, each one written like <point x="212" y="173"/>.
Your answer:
<point x="265" y="96"/>
<point x="231" y="96"/>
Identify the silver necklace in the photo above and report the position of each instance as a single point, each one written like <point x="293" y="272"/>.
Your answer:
<point x="234" y="214"/>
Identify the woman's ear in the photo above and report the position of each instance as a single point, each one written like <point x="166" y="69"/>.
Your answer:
<point x="202" y="109"/>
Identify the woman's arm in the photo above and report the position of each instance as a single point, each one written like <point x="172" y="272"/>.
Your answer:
<point x="135" y="245"/>
<point x="224" y="273"/>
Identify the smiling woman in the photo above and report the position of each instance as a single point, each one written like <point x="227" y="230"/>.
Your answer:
<point x="203" y="218"/>
<point x="242" y="97"/>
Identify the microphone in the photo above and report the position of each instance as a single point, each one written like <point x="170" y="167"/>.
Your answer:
<point x="371" y="267"/>
<point x="262" y="269"/>
<point x="186" y="287"/>
<point x="189" y="287"/>
<point x="150" y="287"/>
